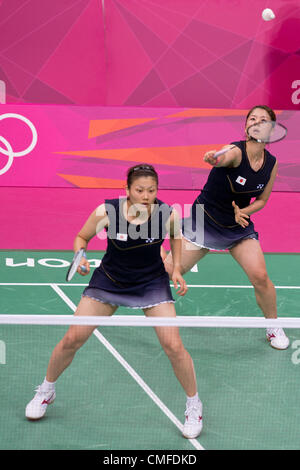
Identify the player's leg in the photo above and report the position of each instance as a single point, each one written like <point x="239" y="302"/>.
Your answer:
<point x="63" y="355"/>
<point x="183" y="367"/>
<point x="75" y="337"/>
<point x="171" y="342"/>
<point x="249" y="255"/>
<point x="190" y="255"/>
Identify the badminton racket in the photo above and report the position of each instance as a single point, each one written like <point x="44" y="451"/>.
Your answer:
<point x="266" y="132"/>
<point x="75" y="263"/>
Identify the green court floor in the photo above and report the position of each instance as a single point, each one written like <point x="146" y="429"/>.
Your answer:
<point x="250" y="392"/>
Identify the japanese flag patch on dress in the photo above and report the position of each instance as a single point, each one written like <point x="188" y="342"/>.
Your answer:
<point x="122" y="237"/>
<point x="241" y="180"/>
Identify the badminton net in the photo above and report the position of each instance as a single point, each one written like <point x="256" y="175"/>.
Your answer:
<point x="120" y="391"/>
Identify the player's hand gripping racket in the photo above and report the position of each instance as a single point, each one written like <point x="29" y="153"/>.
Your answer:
<point x="75" y="263"/>
<point x="266" y="132"/>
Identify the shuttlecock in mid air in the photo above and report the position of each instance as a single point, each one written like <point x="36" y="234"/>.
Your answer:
<point x="268" y="14"/>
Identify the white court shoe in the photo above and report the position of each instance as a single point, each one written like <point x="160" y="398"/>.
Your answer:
<point x="277" y="338"/>
<point x="37" y="407"/>
<point x="193" y="421"/>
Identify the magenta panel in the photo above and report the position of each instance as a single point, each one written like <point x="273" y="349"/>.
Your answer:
<point x="53" y="51"/>
<point x="49" y="218"/>
<point x="216" y="53"/>
<point x="195" y="53"/>
<point x="92" y="147"/>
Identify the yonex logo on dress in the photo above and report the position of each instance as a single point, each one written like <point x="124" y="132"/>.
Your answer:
<point x="8" y="151"/>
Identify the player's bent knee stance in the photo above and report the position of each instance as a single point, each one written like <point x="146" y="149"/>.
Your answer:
<point x="72" y="341"/>
<point x="174" y="348"/>
<point x="260" y="280"/>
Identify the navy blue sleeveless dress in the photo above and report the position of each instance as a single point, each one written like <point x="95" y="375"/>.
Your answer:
<point x="211" y="223"/>
<point x="132" y="273"/>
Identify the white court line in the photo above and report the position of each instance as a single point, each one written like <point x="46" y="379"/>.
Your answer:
<point x="214" y="286"/>
<point x="129" y="369"/>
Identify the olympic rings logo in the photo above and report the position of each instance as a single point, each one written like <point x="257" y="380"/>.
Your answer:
<point x="9" y="152"/>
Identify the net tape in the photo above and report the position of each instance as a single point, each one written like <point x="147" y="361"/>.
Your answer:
<point x="140" y="320"/>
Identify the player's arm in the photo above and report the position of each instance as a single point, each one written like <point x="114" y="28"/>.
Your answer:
<point x="94" y="224"/>
<point x="259" y="203"/>
<point x="174" y="229"/>
<point x="231" y="158"/>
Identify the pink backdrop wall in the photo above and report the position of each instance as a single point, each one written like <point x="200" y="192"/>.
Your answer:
<point x="198" y="53"/>
<point x="49" y="218"/>
<point x="53" y="51"/>
<point x="82" y="154"/>
<point x="92" y="147"/>
<point x="175" y="53"/>
<point x="109" y="83"/>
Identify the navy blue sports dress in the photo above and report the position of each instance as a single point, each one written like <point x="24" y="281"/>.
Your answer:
<point x="211" y="223"/>
<point x="132" y="273"/>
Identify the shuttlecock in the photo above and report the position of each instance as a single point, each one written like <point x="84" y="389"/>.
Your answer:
<point x="268" y="14"/>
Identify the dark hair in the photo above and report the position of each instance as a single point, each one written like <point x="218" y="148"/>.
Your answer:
<point x="270" y="111"/>
<point x="140" y="170"/>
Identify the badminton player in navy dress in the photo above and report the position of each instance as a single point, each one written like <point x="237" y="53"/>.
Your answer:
<point x="238" y="185"/>
<point x="131" y="274"/>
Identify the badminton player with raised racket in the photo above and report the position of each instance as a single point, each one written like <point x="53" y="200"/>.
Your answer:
<point x="131" y="274"/>
<point x="239" y="184"/>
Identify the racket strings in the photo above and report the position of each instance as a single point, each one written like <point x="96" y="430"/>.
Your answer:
<point x="75" y="263"/>
<point x="267" y="132"/>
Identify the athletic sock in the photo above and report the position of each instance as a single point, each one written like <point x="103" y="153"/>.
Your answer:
<point x="48" y="386"/>
<point x="192" y="400"/>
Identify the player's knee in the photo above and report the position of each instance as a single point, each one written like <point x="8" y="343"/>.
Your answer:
<point x="174" y="349"/>
<point x="71" y="342"/>
<point x="260" y="280"/>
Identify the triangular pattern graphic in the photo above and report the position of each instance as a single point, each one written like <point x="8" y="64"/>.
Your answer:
<point x="186" y="156"/>
<point x="105" y="126"/>
<point x="92" y="182"/>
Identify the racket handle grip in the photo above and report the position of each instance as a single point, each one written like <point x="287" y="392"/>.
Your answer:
<point x="218" y="154"/>
<point x="83" y="269"/>
<point x="221" y="152"/>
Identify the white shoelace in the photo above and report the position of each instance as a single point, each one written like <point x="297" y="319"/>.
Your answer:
<point x="275" y="331"/>
<point x="193" y="412"/>
<point x="40" y="391"/>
